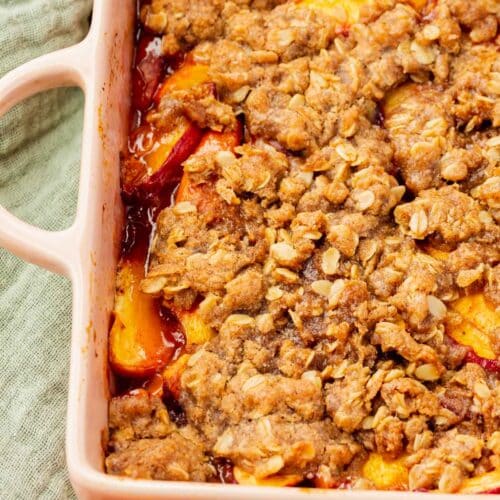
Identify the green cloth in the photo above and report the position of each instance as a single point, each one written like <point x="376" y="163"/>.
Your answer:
<point x="40" y="143"/>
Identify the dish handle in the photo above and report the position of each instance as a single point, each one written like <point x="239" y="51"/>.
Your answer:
<point x="52" y="250"/>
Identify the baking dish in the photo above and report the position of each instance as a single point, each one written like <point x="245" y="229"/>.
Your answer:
<point x="87" y="252"/>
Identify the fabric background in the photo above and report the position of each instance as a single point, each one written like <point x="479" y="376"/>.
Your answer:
<point x="39" y="163"/>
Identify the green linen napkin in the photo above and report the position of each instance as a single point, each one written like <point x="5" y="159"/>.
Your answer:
<point x="39" y="166"/>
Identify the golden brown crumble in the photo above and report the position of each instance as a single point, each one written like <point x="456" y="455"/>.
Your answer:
<point x="330" y="311"/>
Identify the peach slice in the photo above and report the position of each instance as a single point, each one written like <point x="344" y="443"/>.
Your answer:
<point x="418" y="5"/>
<point x="348" y="11"/>
<point x="197" y="333"/>
<point x="196" y="330"/>
<point x="490" y="365"/>
<point x="148" y="70"/>
<point x="211" y="142"/>
<point x="479" y="322"/>
<point x="156" y="157"/>
<point x="243" y="477"/>
<point x="476" y="330"/>
<point x="386" y="474"/>
<point x="188" y="75"/>
<point x="140" y="341"/>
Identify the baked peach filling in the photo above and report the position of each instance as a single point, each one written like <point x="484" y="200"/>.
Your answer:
<point x="308" y="293"/>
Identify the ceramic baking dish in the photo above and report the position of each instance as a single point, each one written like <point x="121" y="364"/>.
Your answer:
<point x="87" y="254"/>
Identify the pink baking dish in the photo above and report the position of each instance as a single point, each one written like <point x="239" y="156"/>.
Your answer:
<point x="87" y="254"/>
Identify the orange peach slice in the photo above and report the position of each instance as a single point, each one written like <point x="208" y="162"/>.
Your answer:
<point x="348" y="11"/>
<point x="210" y="143"/>
<point x="197" y="333"/>
<point x="479" y="320"/>
<point x="139" y="337"/>
<point x="196" y="330"/>
<point x="156" y="157"/>
<point x="243" y="477"/>
<point x="153" y="147"/>
<point x="148" y="70"/>
<point x="386" y="474"/>
<point x="478" y="325"/>
<point x="138" y="341"/>
<point x="188" y="75"/>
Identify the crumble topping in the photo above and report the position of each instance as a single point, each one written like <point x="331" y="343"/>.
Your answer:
<point x="310" y="258"/>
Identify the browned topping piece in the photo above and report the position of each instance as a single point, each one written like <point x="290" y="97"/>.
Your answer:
<point x="148" y="445"/>
<point x="451" y="214"/>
